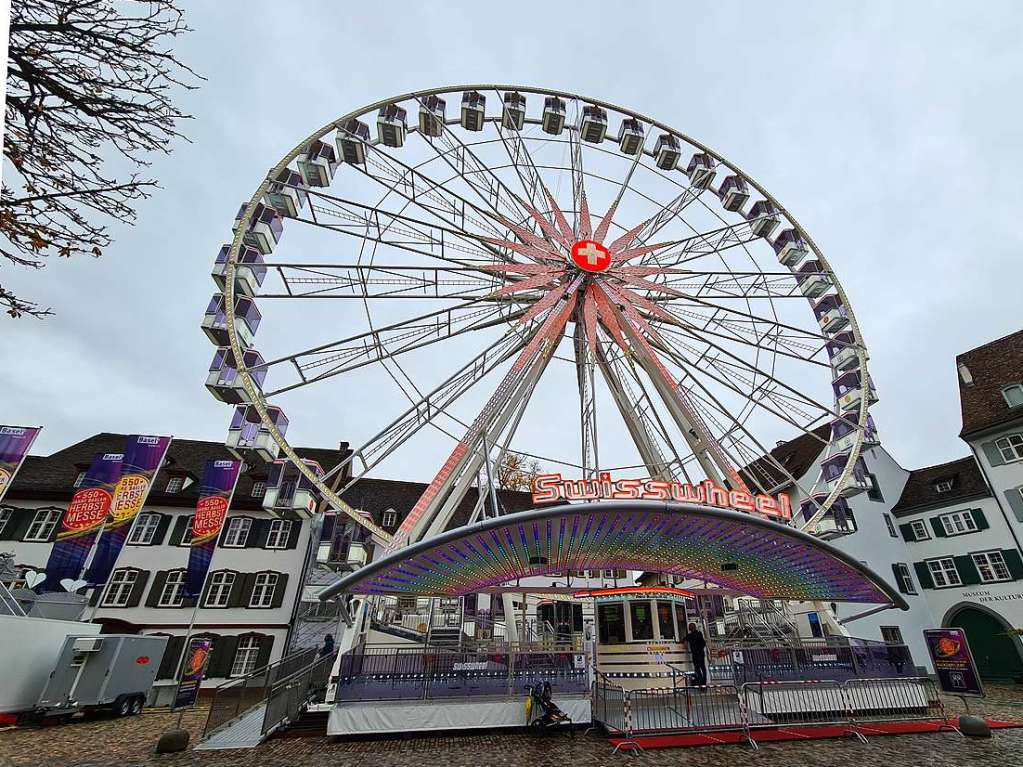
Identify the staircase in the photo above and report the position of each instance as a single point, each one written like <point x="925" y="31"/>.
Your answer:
<point x="447" y="637"/>
<point x="762" y="624"/>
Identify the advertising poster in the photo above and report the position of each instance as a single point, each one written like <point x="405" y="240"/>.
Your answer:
<point x="218" y="482"/>
<point x="84" y="516"/>
<point x="953" y="661"/>
<point x="15" y="442"/>
<point x="197" y="658"/>
<point x="143" y="457"/>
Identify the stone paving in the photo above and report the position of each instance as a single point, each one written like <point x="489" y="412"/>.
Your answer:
<point x="129" y="743"/>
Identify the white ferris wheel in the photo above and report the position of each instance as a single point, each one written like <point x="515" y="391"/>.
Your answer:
<point x="491" y="268"/>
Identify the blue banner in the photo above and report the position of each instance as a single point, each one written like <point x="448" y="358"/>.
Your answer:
<point x="218" y="482"/>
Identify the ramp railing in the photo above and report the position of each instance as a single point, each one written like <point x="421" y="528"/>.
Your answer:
<point x="288" y="697"/>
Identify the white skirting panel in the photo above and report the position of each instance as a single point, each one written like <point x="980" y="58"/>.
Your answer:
<point x="372" y="717"/>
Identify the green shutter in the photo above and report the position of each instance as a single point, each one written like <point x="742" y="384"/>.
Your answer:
<point x="968" y="572"/>
<point x="994" y="455"/>
<point x="1015" y="499"/>
<point x="907" y="533"/>
<point x="1014" y="562"/>
<point x="979" y="519"/>
<point x="939" y="529"/>
<point x="923" y="574"/>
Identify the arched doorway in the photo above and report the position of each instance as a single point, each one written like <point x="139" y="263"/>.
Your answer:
<point x="994" y="650"/>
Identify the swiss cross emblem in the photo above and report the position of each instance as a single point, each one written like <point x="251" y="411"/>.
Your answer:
<point x="591" y="256"/>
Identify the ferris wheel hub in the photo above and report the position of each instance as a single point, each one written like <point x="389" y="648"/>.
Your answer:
<point x="591" y="256"/>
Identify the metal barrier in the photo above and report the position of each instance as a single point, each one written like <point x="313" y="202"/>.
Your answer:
<point x="781" y="704"/>
<point x="287" y="697"/>
<point x="855" y="658"/>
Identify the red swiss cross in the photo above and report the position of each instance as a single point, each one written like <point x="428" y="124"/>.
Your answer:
<point x="591" y="256"/>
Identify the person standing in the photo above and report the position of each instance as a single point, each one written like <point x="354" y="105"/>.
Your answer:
<point x="698" y="650"/>
<point x="328" y="646"/>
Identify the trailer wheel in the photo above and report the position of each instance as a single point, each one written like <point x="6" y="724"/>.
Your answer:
<point x="137" y="704"/>
<point x="122" y="706"/>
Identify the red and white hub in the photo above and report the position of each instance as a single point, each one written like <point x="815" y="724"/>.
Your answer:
<point x="591" y="256"/>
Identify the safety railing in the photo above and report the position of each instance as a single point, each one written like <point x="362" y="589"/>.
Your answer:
<point x="854" y="658"/>
<point x="288" y="696"/>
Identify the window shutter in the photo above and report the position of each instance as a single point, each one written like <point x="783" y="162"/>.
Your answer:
<point x="979" y="519"/>
<point x="923" y="574"/>
<point x="266" y="643"/>
<point x="280" y="589"/>
<point x="241" y="592"/>
<point x="1015" y="499"/>
<point x="135" y="597"/>
<point x="1014" y="562"/>
<point x="294" y="533"/>
<point x="939" y="529"/>
<point x="161" y="530"/>
<point x="180" y="526"/>
<point x="898" y="579"/>
<point x="17" y="525"/>
<point x="967" y="570"/>
<point x="994" y="455"/>
<point x="158" y="583"/>
<point x="95" y="595"/>
<point x="224" y="648"/>
<point x="171" y="657"/>
<point x="258" y="534"/>
<point x="907" y="533"/>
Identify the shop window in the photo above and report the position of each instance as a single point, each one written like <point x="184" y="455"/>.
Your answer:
<point x="642" y="621"/>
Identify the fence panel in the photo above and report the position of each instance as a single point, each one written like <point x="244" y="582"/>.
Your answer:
<point x="903" y="699"/>
<point x="775" y="703"/>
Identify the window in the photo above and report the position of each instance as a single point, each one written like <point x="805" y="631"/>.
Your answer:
<point x="991" y="566"/>
<point x="944" y="485"/>
<point x="611" y="620"/>
<point x="892" y="635"/>
<point x="245" y="656"/>
<point x="119" y="589"/>
<point x="874" y="491"/>
<point x="144" y="530"/>
<point x="186" y="534"/>
<point x="905" y="580"/>
<point x="237" y="532"/>
<point x="5" y="515"/>
<point x="173" y="590"/>
<point x="642" y="620"/>
<point x="80" y="479"/>
<point x="958" y="523"/>
<point x="174" y="484"/>
<point x="891" y="526"/>
<point x="389" y="518"/>
<point x="1013" y="394"/>
<point x="665" y="623"/>
<point x="920" y="531"/>
<point x="944" y="572"/>
<point x="220" y="589"/>
<point x="258" y="489"/>
<point x="1010" y="447"/>
<point x="43" y="525"/>
<point x="263" y="590"/>
<point x="280" y="530"/>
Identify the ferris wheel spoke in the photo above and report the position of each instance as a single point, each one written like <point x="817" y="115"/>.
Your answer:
<point x="589" y="452"/>
<point x="376" y="281"/>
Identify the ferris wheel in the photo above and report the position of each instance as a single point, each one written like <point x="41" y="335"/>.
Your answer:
<point x="476" y="270"/>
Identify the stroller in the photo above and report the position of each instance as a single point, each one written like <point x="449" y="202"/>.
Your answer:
<point x="541" y="711"/>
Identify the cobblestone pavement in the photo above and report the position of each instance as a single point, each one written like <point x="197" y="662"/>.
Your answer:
<point x="129" y="743"/>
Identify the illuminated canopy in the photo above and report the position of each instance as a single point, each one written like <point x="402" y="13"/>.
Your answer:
<point x="736" y="551"/>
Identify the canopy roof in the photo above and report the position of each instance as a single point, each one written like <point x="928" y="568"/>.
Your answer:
<point x="737" y="551"/>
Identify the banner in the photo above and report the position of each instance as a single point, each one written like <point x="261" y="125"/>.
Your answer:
<point x="143" y="457"/>
<point x="197" y="658"/>
<point x="953" y="661"/>
<point x="15" y="442"/>
<point x="86" y="512"/>
<point x="218" y="482"/>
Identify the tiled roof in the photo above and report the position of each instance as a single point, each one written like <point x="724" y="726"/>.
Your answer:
<point x="51" y="478"/>
<point x="796" y="456"/>
<point x="920" y="491"/>
<point x="991" y="366"/>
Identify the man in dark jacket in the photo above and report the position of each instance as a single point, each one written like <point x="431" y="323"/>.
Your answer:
<point x="698" y="650"/>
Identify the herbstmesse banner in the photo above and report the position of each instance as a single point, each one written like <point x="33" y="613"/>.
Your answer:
<point x="143" y="457"/>
<point x="15" y="442"/>
<point x="218" y="482"/>
<point x="82" y="520"/>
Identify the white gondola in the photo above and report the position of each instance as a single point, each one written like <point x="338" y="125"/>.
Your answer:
<point x="842" y="351"/>
<point x="593" y="125"/>
<point x="813" y="282"/>
<point x="701" y="170"/>
<point x="318" y="164"/>
<point x="289" y="494"/>
<point x="513" y="116"/>
<point x="831" y="314"/>
<point x="734" y="193"/>
<point x="247" y="436"/>
<point x="763" y="218"/>
<point x="431" y="116"/>
<point x="265" y="228"/>
<point x="392" y="126"/>
<point x="837" y="521"/>
<point x="667" y="152"/>
<point x="553" y="121"/>
<point x="474" y="110"/>
<point x="790" y="248"/>
<point x="247" y="319"/>
<point x="285" y="194"/>
<point x="223" y="380"/>
<point x="357" y="554"/>
<point x="831" y="473"/>
<point x="630" y="137"/>
<point x="351" y="141"/>
<point x="249" y="271"/>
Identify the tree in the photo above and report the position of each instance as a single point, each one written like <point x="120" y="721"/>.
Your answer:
<point x="517" y="472"/>
<point x="88" y="82"/>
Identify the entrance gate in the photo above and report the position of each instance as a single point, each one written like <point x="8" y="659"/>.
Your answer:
<point x="995" y="651"/>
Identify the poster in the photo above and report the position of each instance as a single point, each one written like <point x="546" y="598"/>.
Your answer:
<point x="197" y="658"/>
<point x="82" y="520"/>
<point x="218" y="482"/>
<point x="15" y="442"/>
<point x="143" y="457"/>
<point x="953" y="661"/>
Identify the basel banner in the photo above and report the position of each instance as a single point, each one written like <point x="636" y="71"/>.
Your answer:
<point x="218" y="482"/>
<point x="143" y="457"/>
<point x="953" y="661"/>
<point x="197" y="658"/>
<point x="15" y="442"/>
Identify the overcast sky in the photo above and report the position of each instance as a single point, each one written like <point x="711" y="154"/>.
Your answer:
<point x="890" y="130"/>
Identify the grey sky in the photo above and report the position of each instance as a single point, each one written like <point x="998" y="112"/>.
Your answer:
<point x="890" y="130"/>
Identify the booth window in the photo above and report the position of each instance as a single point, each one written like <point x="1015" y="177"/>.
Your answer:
<point x="664" y="620"/>
<point x="611" y="618"/>
<point x="642" y="621"/>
